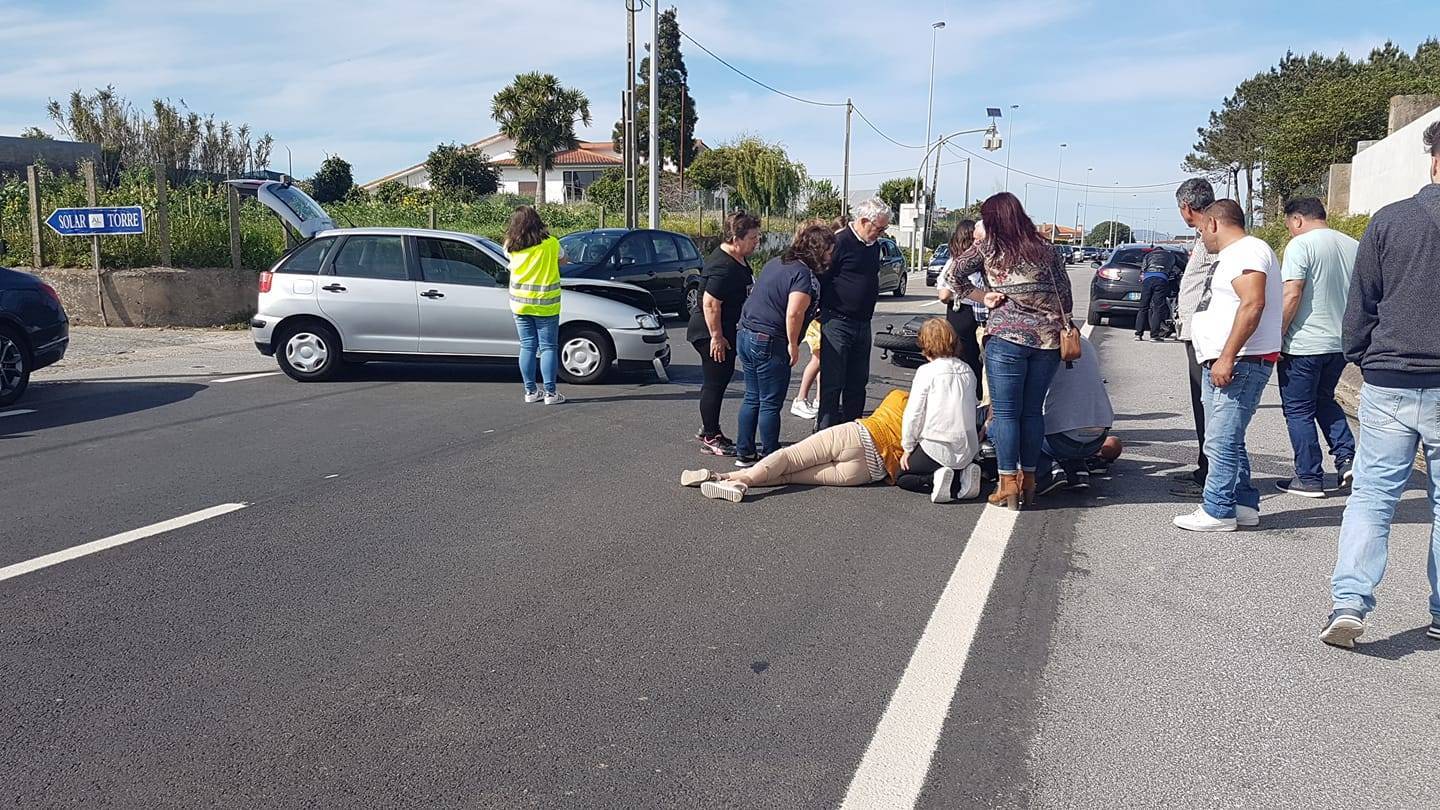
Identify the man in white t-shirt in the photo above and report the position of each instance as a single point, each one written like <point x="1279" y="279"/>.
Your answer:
<point x="1236" y="332"/>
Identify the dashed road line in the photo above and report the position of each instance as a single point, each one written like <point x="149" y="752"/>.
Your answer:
<point x="244" y="377"/>
<point x="84" y="549"/>
<point x="19" y="412"/>
<point x="893" y="770"/>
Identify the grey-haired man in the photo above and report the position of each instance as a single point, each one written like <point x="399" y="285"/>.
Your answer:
<point x="1193" y="197"/>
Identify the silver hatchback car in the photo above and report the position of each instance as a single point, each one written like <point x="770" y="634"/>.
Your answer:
<point x="358" y="294"/>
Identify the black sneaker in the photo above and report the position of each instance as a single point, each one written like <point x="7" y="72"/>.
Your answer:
<point x="717" y="445"/>
<point x="1295" y="486"/>
<point x="1434" y="631"/>
<point x="1098" y="466"/>
<point x="1046" y="481"/>
<point x="1190" y="490"/>
<point x="1345" y="472"/>
<point x="747" y="461"/>
<point x="1077" y="479"/>
<point x="1140" y="338"/>
<point x="1344" y="626"/>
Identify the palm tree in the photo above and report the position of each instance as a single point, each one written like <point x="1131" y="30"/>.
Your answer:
<point x="540" y="114"/>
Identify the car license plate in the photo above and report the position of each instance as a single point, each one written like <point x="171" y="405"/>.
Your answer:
<point x="1132" y="296"/>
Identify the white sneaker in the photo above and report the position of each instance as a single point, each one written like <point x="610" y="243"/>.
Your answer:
<point x="1201" y="521"/>
<point x="694" y="478"/>
<point x="533" y="396"/>
<point x="804" y="409"/>
<point x="556" y="398"/>
<point x="940" y="490"/>
<point x="1246" y="517"/>
<point x="723" y="490"/>
<point x="969" y="483"/>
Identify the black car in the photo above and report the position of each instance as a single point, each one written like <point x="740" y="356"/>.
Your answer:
<point x="937" y="263"/>
<point x="34" y="331"/>
<point x="894" y="275"/>
<point x="665" y="263"/>
<point x="1116" y="288"/>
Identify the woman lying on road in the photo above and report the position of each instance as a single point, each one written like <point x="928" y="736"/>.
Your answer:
<point x="849" y="455"/>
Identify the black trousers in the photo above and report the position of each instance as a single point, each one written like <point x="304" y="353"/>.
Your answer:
<point x="844" y="371"/>
<point x="712" y="390"/>
<point x="962" y="319"/>
<point x="921" y="475"/>
<point x="1197" y="407"/>
<point x="1153" y="306"/>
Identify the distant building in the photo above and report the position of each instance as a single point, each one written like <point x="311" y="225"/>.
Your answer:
<point x="1068" y="236"/>
<point x="63" y="156"/>
<point x="573" y="170"/>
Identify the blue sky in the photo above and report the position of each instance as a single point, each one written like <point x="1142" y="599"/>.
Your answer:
<point x="1123" y="82"/>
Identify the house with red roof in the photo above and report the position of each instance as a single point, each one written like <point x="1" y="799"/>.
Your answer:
<point x="573" y="170"/>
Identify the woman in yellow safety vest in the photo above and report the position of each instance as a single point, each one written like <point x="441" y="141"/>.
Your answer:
<point x="535" y="260"/>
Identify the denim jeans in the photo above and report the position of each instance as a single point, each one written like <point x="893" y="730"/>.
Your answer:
<point x="1394" y="423"/>
<point x="1019" y="380"/>
<point x="765" y="361"/>
<point x="539" y="336"/>
<point x="1307" y="390"/>
<point x="1228" y="412"/>
<point x="844" y="371"/>
<point x="1071" y="454"/>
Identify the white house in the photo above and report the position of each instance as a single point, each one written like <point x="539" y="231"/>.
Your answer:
<point x="572" y="172"/>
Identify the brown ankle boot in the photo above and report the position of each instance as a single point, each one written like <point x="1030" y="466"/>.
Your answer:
<point x="1007" y="492"/>
<point x="1027" y="488"/>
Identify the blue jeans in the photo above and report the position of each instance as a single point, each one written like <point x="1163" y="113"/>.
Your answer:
<point x="766" y="364"/>
<point x="1394" y="423"/>
<point x="1019" y="380"/>
<point x="539" y="336"/>
<point x="1071" y="454"/>
<point x="1228" y="412"/>
<point x="1307" y="390"/>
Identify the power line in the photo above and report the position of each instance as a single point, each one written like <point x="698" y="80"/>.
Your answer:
<point x="1058" y="181"/>
<point x="792" y="96"/>
<point x="882" y="134"/>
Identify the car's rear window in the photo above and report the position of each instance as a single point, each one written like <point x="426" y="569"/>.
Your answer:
<point x="309" y="257"/>
<point x="1129" y="257"/>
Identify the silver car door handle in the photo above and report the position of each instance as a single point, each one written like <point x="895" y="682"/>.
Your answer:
<point x="333" y="288"/>
<point x="432" y="294"/>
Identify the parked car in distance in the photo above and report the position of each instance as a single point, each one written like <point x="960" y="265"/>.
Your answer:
<point x="937" y="263"/>
<point x="666" y="264"/>
<point x="894" y="275"/>
<point x="387" y="294"/>
<point x="34" y="330"/>
<point x="1115" y="289"/>
<point x="1084" y="254"/>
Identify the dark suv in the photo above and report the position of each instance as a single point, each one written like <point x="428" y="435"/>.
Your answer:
<point x="34" y="331"/>
<point x="665" y="263"/>
<point x="894" y="275"/>
<point x="1116" y="288"/>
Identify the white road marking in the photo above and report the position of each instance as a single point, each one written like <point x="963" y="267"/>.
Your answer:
<point x="244" y="377"/>
<point x="937" y="302"/>
<point x="1086" y="330"/>
<point x="893" y="770"/>
<point x="333" y="475"/>
<point x="16" y="413"/>
<point x="74" y="552"/>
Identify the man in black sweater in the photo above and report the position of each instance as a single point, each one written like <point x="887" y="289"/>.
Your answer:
<point x="847" y="302"/>
<point x="1397" y="273"/>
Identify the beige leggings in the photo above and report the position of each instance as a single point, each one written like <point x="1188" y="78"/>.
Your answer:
<point x="833" y="457"/>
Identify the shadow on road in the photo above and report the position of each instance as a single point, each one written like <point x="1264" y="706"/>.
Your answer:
<point x="58" y="404"/>
<point x="1399" y="645"/>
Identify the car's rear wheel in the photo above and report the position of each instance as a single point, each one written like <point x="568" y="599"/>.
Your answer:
<point x="585" y="355"/>
<point x="1094" y="316"/>
<point x="14" y="366"/>
<point x="309" y="352"/>
<point x="692" y="300"/>
<point x="904" y="283"/>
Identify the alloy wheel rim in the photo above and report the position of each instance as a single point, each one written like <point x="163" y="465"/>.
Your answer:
<point x="307" y="352"/>
<point x="580" y="356"/>
<point x="12" y="365"/>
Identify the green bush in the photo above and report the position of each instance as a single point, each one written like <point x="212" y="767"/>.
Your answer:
<point x="1278" y="237"/>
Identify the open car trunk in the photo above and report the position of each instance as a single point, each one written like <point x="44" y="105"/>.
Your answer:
<point x="289" y="202"/>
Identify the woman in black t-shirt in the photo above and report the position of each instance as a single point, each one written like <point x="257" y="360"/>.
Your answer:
<point x="726" y="280"/>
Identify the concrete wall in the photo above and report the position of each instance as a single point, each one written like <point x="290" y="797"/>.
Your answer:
<point x="17" y="153"/>
<point x="1391" y="169"/>
<point x="156" y="296"/>
<point x="1337" y="189"/>
<point x="1406" y="109"/>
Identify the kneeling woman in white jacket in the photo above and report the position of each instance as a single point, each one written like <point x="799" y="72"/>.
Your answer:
<point x="938" y="434"/>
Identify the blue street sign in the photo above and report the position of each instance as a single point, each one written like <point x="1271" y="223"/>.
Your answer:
<point x="127" y="219"/>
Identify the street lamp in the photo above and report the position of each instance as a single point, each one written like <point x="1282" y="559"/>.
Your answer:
<point x="992" y="142"/>
<point x="929" y="115"/>
<point x="1086" y="204"/>
<point x="1011" y="137"/>
<point x="1114" y="212"/>
<point x="1055" y="223"/>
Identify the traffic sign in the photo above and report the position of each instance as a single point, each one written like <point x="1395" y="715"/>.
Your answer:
<point x="128" y="219"/>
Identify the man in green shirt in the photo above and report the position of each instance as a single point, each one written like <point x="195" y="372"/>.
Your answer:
<point x="1318" y="264"/>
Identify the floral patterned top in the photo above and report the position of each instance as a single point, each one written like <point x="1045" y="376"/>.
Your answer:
<point x="1031" y="314"/>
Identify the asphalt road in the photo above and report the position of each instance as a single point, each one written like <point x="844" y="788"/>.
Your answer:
<point x="437" y="595"/>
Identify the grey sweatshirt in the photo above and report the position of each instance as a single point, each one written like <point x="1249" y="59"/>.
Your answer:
<point x="1392" y="330"/>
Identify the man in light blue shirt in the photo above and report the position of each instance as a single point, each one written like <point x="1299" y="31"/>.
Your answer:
<point x="1318" y="264"/>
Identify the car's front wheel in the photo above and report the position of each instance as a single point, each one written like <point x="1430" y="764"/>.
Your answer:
<point x="1094" y="316"/>
<point x="585" y="355"/>
<point x="309" y="352"/>
<point x="692" y="300"/>
<point x="904" y="283"/>
<point x="14" y="366"/>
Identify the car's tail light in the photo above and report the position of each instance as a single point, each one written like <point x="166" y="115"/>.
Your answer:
<point x="50" y="291"/>
<point x="1109" y="273"/>
<point x="265" y="279"/>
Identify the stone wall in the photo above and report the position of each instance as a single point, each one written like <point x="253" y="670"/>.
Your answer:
<point x="156" y="296"/>
<point x="1393" y="168"/>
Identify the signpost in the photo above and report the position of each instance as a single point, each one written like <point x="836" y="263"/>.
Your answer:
<point x="129" y="219"/>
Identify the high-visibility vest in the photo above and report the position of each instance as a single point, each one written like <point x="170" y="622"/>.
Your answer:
<point x="535" y="279"/>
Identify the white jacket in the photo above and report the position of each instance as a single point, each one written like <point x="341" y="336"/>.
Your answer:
<point x="940" y="416"/>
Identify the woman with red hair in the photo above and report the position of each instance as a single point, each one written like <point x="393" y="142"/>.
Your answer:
<point x="1029" y="296"/>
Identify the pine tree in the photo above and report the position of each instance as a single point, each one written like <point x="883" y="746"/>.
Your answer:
<point x="673" y="79"/>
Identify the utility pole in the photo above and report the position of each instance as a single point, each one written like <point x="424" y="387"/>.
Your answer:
<point x="631" y="152"/>
<point x="1114" y="213"/>
<point x="929" y="115"/>
<point x="845" y="183"/>
<point x="655" y="156"/>
<point x="1010" y="144"/>
<point x="684" y="96"/>
<point x="1081" y="224"/>
<point x="1055" y="223"/>
<point x="967" y="183"/>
